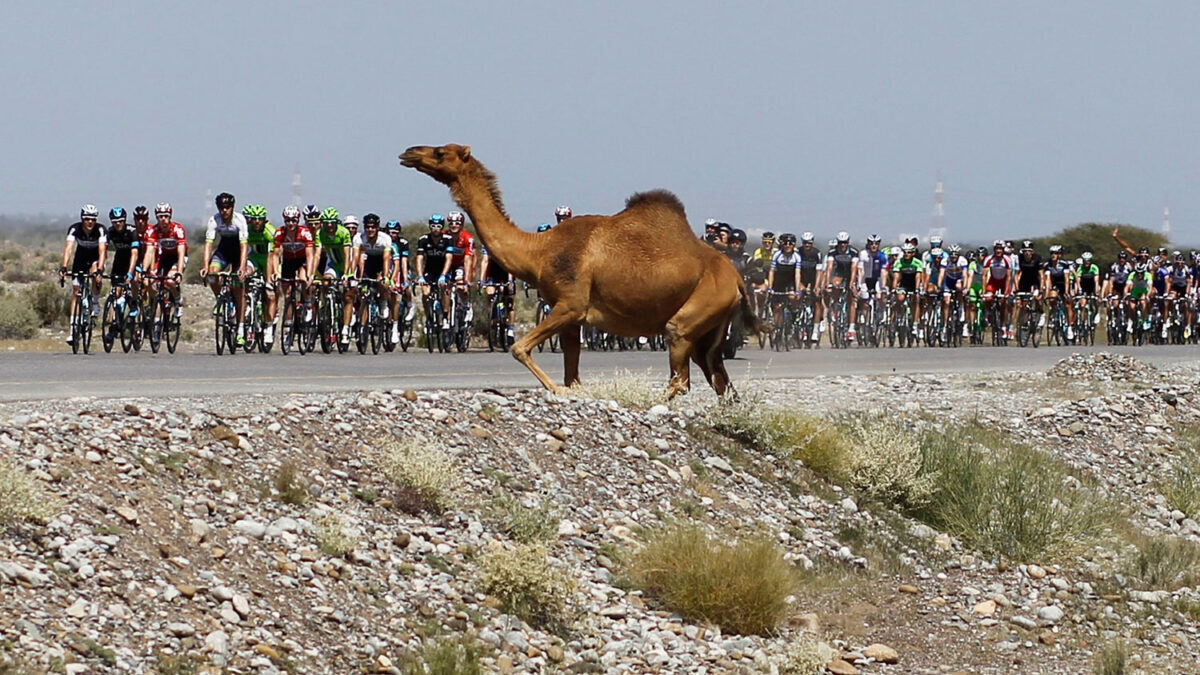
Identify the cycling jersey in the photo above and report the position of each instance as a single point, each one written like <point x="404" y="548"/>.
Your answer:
<point x="784" y="266"/>
<point x="261" y="244"/>
<point x="400" y="251"/>
<point x="811" y="262"/>
<point x="1139" y="284"/>
<point x="126" y="245"/>
<point x="333" y="249"/>
<point x="762" y="255"/>
<point x="292" y="244"/>
<point x="1119" y="274"/>
<point x="840" y="263"/>
<point x="908" y="269"/>
<point x="373" y="251"/>
<point x="1030" y="273"/>
<point x="228" y="237"/>
<point x="1058" y="274"/>
<point x="1160" y="278"/>
<point x="955" y="269"/>
<point x="434" y="248"/>
<point x="1087" y="275"/>
<point x="1179" y="276"/>
<point x="462" y="245"/>
<point x="167" y="242"/>
<point x="87" y="245"/>
<point x="872" y="266"/>
<point x="496" y="273"/>
<point x="934" y="264"/>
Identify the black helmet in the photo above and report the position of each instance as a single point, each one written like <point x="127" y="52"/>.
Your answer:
<point x="768" y="235"/>
<point x="140" y="211"/>
<point x="225" y="200"/>
<point x="724" y="227"/>
<point x="738" y="235"/>
<point x="787" y="238"/>
<point x="371" y="219"/>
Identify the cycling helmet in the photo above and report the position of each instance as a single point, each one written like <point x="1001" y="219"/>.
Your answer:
<point x="291" y="212"/>
<point x="311" y="212"/>
<point x="456" y="218"/>
<point x="330" y="215"/>
<point x="908" y="248"/>
<point x="1122" y="255"/>
<point x="807" y="237"/>
<point x="140" y="211"/>
<point x="162" y="209"/>
<point x="874" y="239"/>
<point x="1141" y="268"/>
<point x="116" y="213"/>
<point x="935" y="251"/>
<point x="981" y="251"/>
<point x="912" y="240"/>
<point x="352" y="220"/>
<point x="738" y="236"/>
<point x="254" y="211"/>
<point x="1079" y="262"/>
<point x="1177" y="256"/>
<point x="1162" y="250"/>
<point x="999" y="243"/>
<point x="370" y="218"/>
<point x="89" y="211"/>
<point x="1087" y="255"/>
<point x="437" y="220"/>
<point x="789" y="238"/>
<point x="955" y="249"/>
<point x="832" y="243"/>
<point x="711" y="222"/>
<point x="935" y="241"/>
<point x="225" y="200"/>
<point x="543" y="227"/>
<point x="768" y="236"/>
<point x="392" y="225"/>
<point x="1145" y="250"/>
<point x="562" y="212"/>
<point x="843" y="237"/>
<point x="1056" y="248"/>
<point x="895" y="251"/>
<point x="972" y="255"/>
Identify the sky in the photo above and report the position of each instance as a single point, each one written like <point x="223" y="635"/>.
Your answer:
<point x="787" y="116"/>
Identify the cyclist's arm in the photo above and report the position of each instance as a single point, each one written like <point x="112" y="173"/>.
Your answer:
<point x="347" y="261"/>
<point x="446" y="264"/>
<point x="310" y="260"/>
<point x="485" y="261"/>
<point x="387" y="263"/>
<point x="245" y="252"/>
<point x="1122" y="243"/>
<point x="68" y="251"/>
<point x="420" y="265"/>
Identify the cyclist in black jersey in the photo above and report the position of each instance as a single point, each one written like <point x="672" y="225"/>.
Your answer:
<point x="841" y="276"/>
<point x="784" y="274"/>
<point x="1055" y="275"/>
<point x="1179" y="287"/>
<point x="85" y="249"/>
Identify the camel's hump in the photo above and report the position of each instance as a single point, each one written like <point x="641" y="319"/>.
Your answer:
<point x="656" y="198"/>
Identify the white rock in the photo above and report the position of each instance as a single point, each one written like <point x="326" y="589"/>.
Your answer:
<point x="217" y="642"/>
<point x="222" y="593"/>
<point x="181" y="629"/>
<point x="659" y="410"/>
<point x="1050" y="613"/>
<point x="849" y="506"/>
<point x="241" y="605"/>
<point x="718" y="464"/>
<point x="567" y="528"/>
<point x="251" y="528"/>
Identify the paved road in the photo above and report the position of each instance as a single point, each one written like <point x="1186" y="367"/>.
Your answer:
<point x="26" y="376"/>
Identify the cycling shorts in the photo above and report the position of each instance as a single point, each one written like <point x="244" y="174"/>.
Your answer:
<point x="869" y="287"/>
<point x="373" y="268"/>
<point x="222" y="263"/>
<point x="329" y="267"/>
<point x="1059" y="287"/>
<point x="995" y="286"/>
<point x="290" y="267"/>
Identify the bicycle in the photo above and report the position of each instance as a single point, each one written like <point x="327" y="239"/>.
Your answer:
<point x="902" y="320"/>
<point x="431" y="301"/>
<point x="162" y="316"/>
<point x="330" y="307"/>
<point x="1056" y="323"/>
<point x="872" y="319"/>
<point x="114" y="317"/>
<point x="931" y="319"/>
<point x="1028" y="319"/>
<point x="406" y="324"/>
<point x="371" y="315"/>
<point x="954" y="320"/>
<point x="1087" y="317"/>
<point x="498" y="305"/>
<point x="839" y="313"/>
<point x="1118" y="324"/>
<point x="254" y="324"/>
<point x="225" y="313"/>
<point x="995" y="315"/>
<point x="297" y="328"/>
<point x="82" y="321"/>
<point x="781" y="331"/>
<point x="543" y="311"/>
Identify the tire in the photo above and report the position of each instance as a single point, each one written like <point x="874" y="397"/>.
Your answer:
<point x="129" y="326"/>
<point x="108" y="321"/>
<point x="171" y="326"/>
<point x="76" y="333"/>
<point x="287" y="328"/>
<point x="155" y="328"/>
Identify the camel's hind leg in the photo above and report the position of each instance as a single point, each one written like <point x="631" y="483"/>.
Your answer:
<point x="559" y="318"/>
<point x="679" y="348"/>
<point x="707" y="355"/>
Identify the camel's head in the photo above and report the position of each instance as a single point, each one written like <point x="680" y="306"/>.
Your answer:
<point x="443" y="163"/>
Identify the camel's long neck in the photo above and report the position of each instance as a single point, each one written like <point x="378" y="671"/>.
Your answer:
<point x="512" y="247"/>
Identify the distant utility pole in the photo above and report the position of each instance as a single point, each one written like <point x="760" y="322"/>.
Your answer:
<point x="296" y="187"/>
<point x="938" y="226"/>
<point x="208" y="206"/>
<point x="1167" y="222"/>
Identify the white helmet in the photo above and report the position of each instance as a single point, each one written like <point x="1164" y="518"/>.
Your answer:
<point x="456" y="217"/>
<point x="935" y="241"/>
<point x="291" y="212"/>
<point x="935" y="251"/>
<point x="1087" y="255"/>
<point x="89" y="211"/>
<point x="564" y="211"/>
<point x="806" y="237"/>
<point x="350" y="220"/>
<point x="711" y="222"/>
<point x="843" y="237"/>
<point x="162" y="209"/>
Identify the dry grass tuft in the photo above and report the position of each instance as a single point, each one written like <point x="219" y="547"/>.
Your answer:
<point x="333" y="538"/>
<point x="1113" y="659"/>
<point x="22" y="497"/>
<point x="424" y="466"/>
<point x="528" y="585"/>
<point x="290" y="486"/>
<point x="742" y="587"/>
<point x="818" y="444"/>
<point x="631" y="390"/>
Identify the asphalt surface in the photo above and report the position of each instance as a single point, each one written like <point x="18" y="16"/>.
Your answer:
<point x="32" y="376"/>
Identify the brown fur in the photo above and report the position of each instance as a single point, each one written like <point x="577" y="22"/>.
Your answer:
<point x="638" y="272"/>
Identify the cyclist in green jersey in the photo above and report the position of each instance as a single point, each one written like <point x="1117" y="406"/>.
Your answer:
<point x="333" y="258"/>
<point x="908" y="275"/>
<point x="1141" y="289"/>
<point x="974" y="283"/>
<point x="260" y="240"/>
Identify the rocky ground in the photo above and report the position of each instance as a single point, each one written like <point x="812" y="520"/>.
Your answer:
<point x="176" y="550"/>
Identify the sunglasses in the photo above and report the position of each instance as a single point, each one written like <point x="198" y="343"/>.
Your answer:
<point x="287" y="220"/>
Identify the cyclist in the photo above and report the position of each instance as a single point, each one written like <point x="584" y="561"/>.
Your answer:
<point x="141" y="223"/>
<point x="402" y="267"/>
<point x="812" y="268"/>
<point x="872" y="271"/>
<point x="562" y="213"/>
<point x="908" y="276"/>
<point x="225" y="249"/>
<point x="85" y="249"/>
<point x="1181" y="283"/>
<point x="392" y="281"/>
<point x="1055" y="274"/>
<point x="373" y="260"/>
<point x="955" y="271"/>
<point x="1141" y="289"/>
<point x="710" y="230"/>
<point x="294" y="261"/>
<point x="784" y="275"/>
<point x="1087" y="274"/>
<point x="462" y="259"/>
<point x="841" y="276"/>
<point x="494" y="278"/>
<point x="974" y="285"/>
<point x="998" y="272"/>
<point x="737" y="250"/>
<point x="763" y="253"/>
<point x="167" y="254"/>
<point x="1114" y="289"/>
<point x="260" y="245"/>
<point x="126" y="246"/>
<point x="312" y="218"/>
<point x="433" y="255"/>
<point x="334" y="260"/>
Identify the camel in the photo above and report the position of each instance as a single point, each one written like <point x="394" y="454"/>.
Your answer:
<point x="638" y="272"/>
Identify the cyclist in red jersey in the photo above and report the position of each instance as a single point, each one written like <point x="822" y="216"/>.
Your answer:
<point x="295" y="256"/>
<point x="166" y="244"/>
<point x="462" y="256"/>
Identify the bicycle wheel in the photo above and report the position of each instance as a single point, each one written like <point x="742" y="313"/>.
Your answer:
<point x="171" y="325"/>
<point x="287" y="327"/>
<point x="218" y="324"/>
<point x="76" y="324"/>
<point x="432" y="339"/>
<point x="309" y="329"/>
<point x="109" y="323"/>
<point x="252" y="322"/>
<point x="154" y="326"/>
<point x="128" y="324"/>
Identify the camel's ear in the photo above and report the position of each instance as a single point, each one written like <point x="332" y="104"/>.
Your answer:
<point x="464" y="153"/>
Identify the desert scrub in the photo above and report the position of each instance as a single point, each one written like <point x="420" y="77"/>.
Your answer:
<point x="333" y="537"/>
<point x="290" y="486"/>
<point x="1112" y="659"/>
<point x="819" y="444"/>
<point x="422" y="466"/>
<point x="18" y="321"/>
<point x="1182" y="487"/>
<point x="1008" y="500"/>
<point x="1158" y="562"/>
<point x="444" y="657"/>
<point x="631" y="390"/>
<point x="741" y="586"/>
<point x="526" y="523"/>
<point x="528" y="585"/>
<point x="22" y="497"/>
<point x="801" y="657"/>
<point x="884" y="462"/>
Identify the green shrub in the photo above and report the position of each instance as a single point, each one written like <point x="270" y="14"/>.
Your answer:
<point x="527" y="524"/>
<point x="1163" y="563"/>
<point x="819" y="444"/>
<point x="1113" y="659"/>
<point x="742" y="587"/>
<point x="423" y="466"/>
<point x="885" y="462"/>
<point x="50" y="302"/>
<point x="332" y="536"/>
<point x="17" y="319"/>
<point x="528" y="585"/>
<point x="445" y="657"/>
<point x="1008" y="500"/>
<point x="22" y="497"/>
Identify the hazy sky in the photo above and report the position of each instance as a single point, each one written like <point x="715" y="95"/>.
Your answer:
<point x="788" y="115"/>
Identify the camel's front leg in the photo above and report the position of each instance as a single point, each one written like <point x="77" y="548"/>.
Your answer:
<point x="679" y="349"/>
<point x="559" y="318"/>
<point x="569" y="338"/>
